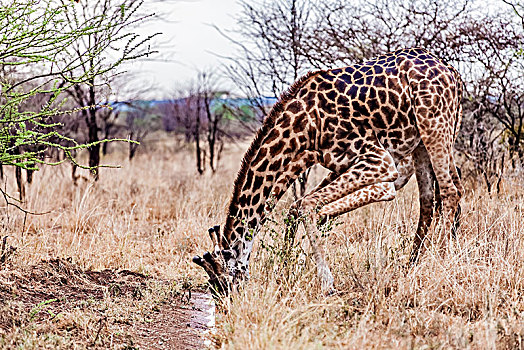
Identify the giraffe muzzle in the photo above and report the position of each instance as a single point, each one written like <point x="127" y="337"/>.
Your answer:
<point x="214" y="263"/>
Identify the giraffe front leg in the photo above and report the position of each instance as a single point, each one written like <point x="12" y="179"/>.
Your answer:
<point x="323" y="271"/>
<point x="309" y="218"/>
<point x="369" y="170"/>
<point x="384" y="191"/>
<point x="373" y="193"/>
<point x="293" y="214"/>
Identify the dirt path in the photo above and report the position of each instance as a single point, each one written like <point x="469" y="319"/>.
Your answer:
<point x="184" y="327"/>
<point x="57" y="304"/>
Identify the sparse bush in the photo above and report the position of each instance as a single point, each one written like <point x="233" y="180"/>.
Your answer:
<point x="43" y="57"/>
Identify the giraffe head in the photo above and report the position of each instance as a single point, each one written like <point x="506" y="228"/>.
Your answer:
<point x="221" y="265"/>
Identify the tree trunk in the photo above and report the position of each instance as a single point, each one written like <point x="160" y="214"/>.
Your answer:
<point x="197" y="146"/>
<point x="212" y="137"/>
<point x="94" y="150"/>
<point x="132" y="150"/>
<point x="132" y="146"/>
<point x="29" y="174"/>
<point x="196" y="135"/>
<point x="18" y="176"/>
<point x="20" y="183"/>
<point x="73" y="174"/>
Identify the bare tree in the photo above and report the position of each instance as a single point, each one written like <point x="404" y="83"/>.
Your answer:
<point x="279" y="38"/>
<point x="109" y="126"/>
<point x="274" y="56"/>
<point x="97" y="48"/>
<point x="139" y="122"/>
<point x="214" y="111"/>
<point x="198" y="113"/>
<point x="185" y="112"/>
<point x="492" y="131"/>
<point x="518" y="8"/>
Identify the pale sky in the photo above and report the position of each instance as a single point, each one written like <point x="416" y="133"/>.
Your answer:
<point x="188" y="40"/>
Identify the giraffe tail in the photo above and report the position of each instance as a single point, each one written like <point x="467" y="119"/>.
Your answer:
<point x="460" y="92"/>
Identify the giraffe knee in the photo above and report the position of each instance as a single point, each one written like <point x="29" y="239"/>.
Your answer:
<point x="305" y="206"/>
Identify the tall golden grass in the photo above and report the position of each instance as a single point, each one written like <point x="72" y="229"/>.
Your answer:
<point x="151" y="216"/>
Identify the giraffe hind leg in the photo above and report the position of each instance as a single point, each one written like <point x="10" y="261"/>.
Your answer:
<point x="457" y="176"/>
<point x="435" y="121"/>
<point x="458" y="183"/>
<point x="429" y="198"/>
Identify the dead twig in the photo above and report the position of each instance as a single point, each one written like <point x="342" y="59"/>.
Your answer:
<point x="101" y="323"/>
<point x="6" y="251"/>
<point x="8" y="203"/>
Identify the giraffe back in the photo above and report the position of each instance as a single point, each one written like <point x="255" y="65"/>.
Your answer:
<point x="378" y="100"/>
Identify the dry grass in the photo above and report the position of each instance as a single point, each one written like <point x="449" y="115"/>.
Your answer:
<point x="152" y="215"/>
<point x="468" y="295"/>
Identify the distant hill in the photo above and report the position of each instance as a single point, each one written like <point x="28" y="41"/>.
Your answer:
<point x="125" y="106"/>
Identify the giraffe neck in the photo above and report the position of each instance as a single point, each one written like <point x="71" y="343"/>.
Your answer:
<point x="271" y="164"/>
<point x="265" y="176"/>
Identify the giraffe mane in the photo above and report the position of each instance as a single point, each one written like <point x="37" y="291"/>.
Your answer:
<point x="267" y="125"/>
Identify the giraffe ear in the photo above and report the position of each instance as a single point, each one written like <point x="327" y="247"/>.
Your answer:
<point x="208" y="257"/>
<point x="215" y="264"/>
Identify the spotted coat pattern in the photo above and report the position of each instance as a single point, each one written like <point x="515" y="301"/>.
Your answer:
<point x="372" y="125"/>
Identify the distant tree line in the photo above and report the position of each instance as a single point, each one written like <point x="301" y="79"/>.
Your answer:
<point x="207" y="116"/>
<point x="278" y="41"/>
<point x="281" y="40"/>
<point x="201" y="114"/>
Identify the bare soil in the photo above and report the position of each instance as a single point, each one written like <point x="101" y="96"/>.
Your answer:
<point x="98" y="309"/>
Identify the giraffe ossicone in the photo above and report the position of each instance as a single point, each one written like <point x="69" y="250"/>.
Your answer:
<point x="373" y="126"/>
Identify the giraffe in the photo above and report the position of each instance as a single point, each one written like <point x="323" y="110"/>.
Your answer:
<point x="373" y="126"/>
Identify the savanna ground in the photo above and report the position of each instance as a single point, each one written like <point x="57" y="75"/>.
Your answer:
<point x="110" y="258"/>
